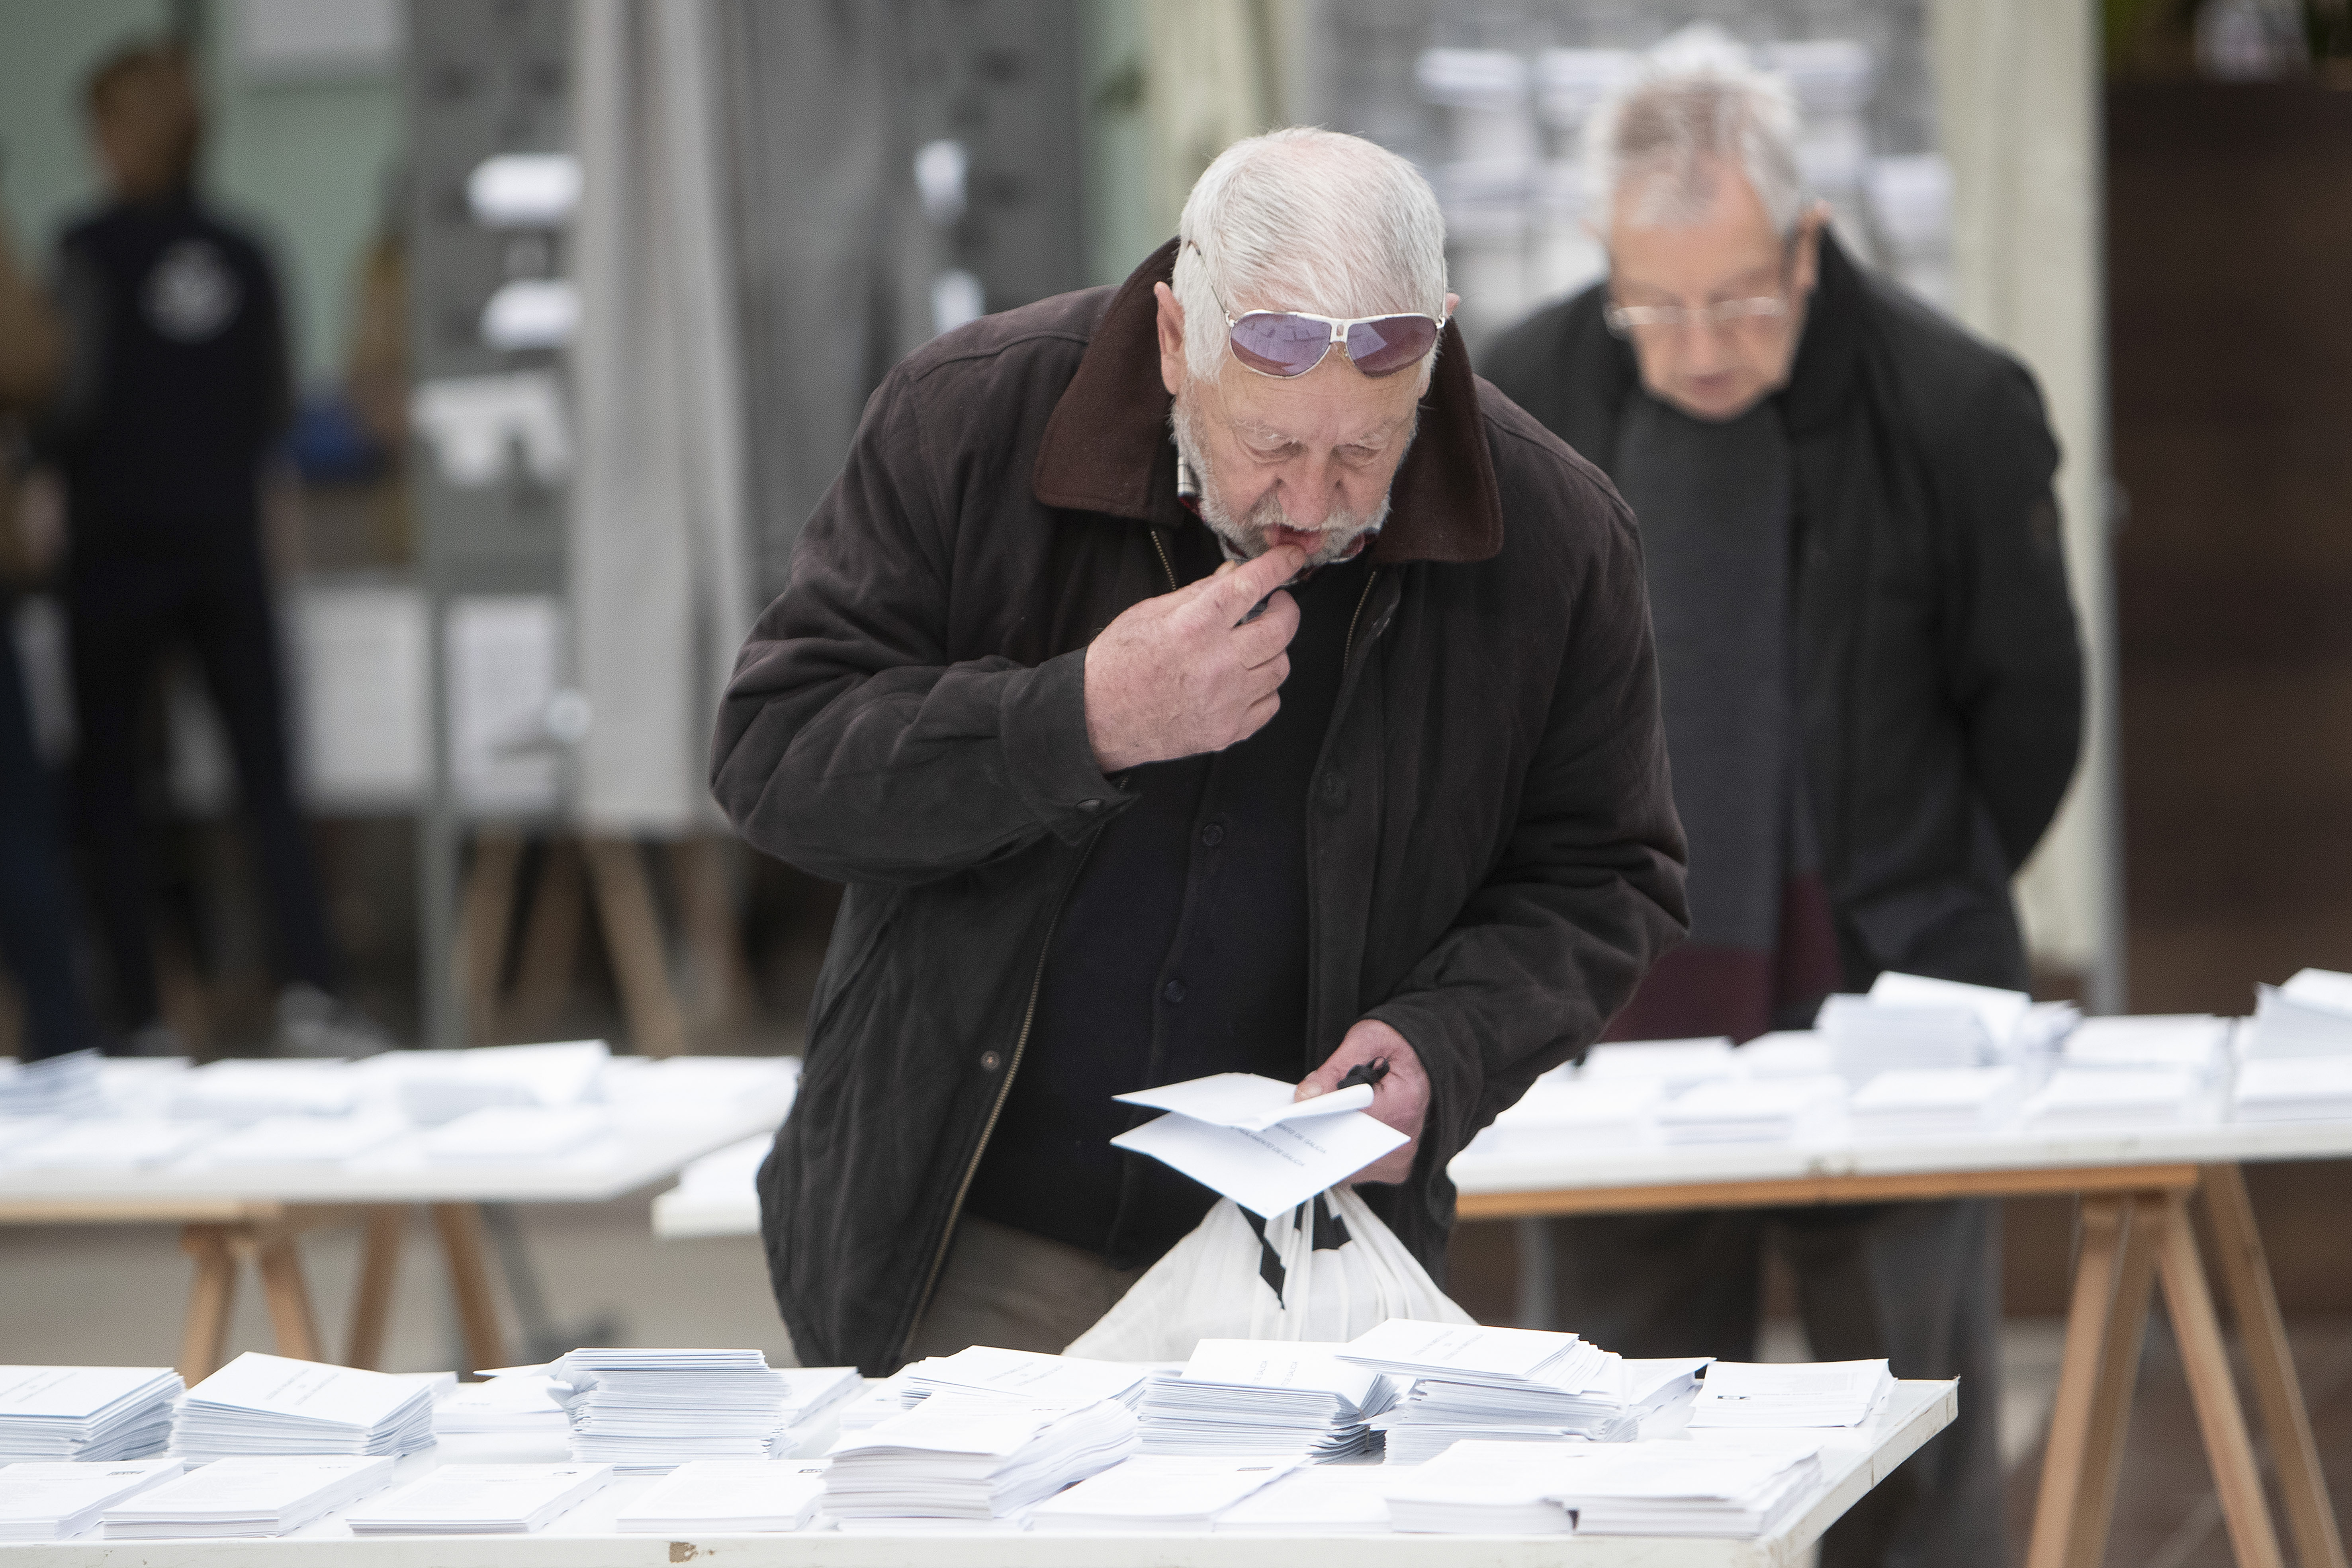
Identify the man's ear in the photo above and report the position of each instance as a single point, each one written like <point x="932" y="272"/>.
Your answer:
<point x="1171" y="322"/>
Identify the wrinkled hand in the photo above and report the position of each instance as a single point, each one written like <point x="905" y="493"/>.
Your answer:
<point x="1176" y="677"/>
<point x="1401" y="1099"/>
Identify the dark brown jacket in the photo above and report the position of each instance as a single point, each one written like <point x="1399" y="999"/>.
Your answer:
<point x="1492" y="849"/>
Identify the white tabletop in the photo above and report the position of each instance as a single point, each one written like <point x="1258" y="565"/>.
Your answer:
<point x="1853" y="1461"/>
<point x="646" y="1144"/>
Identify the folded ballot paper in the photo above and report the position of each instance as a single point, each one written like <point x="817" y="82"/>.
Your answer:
<point x="1158" y="1493"/>
<point x="86" y="1412"/>
<point x="1243" y="1135"/>
<point x="519" y="1403"/>
<point x="244" y="1496"/>
<point x="650" y="1409"/>
<point x="1615" y="1403"/>
<point x="480" y="1499"/>
<point x="1791" y="1394"/>
<point x="956" y="1457"/>
<point x="1264" y="1397"/>
<point x="2311" y="1014"/>
<point x="1681" y="1488"/>
<point x="53" y="1499"/>
<point x="2295" y="1088"/>
<point x="1029" y="1378"/>
<point x="1315" y="1500"/>
<point x="1480" y="1489"/>
<point x="1934" y="1102"/>
<point x="269" y="1405"/>
<point x="1472" y="1354"/>
<point x="728" y="1495"/>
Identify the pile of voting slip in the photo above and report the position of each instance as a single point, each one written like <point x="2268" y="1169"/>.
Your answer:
<point x="241" y="1092"/>
<point x="1670" y="1063"/>
<point x="1738" y="1111"/>
<point x="2080" y="1099"/>
<point x="1868" y="1037"/>
<point x="1264" y="1397"/>
<point x="518" y="1402"/>
<point x="1656" y="1488"/>
<point x="2293" y="1089"/>
<point x="1587" y="1112"/>
<point x="1158" y="1492"/>
<point x="86" y="1412"/>
<point x="1791" y="1394"/>
<point x="1466" y="1376"/>
<point x="644" y="1409"/>
<point x="1318" y="1499"/>
<point x="480" y="1499"/>
<point x="960" y="1457"/>
<point x="2197" y="1043"/>
<point x="1934" y="1102"/>
<point x="438" y="1086"/>
<point x="50" y="1500"/>
<point x="257" y="1496"/>
<point x="66" y="1085"/>
<point x="2311" y="1014"/>
<point x="727" y="1495"/>
<point x="268" y="1405"/>
<point x="1614" y="1402"/>
<point x="1023" y="1377"/>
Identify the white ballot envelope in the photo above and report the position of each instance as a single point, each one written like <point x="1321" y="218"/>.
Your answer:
<point x="1240" y="1135"/>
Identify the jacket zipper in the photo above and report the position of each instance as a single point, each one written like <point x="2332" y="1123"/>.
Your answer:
<point x="1348" y="648"/>
<point x="1020" y="1044"/>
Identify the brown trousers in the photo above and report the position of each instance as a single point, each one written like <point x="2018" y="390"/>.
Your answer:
<point x="1007" y="1288"/>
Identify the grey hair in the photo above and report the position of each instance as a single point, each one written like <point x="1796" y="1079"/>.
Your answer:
<point x="1302" y="219"/>
<point x="1695" y="106"/>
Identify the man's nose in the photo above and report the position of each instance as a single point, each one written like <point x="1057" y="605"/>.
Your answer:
<point x="1310" y="499"/>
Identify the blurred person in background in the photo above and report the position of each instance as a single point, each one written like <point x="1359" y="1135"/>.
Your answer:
<point x="1154" y="742"/>
<point x="37" y="922"/>
<point x="174" y="395"/>
<point x="1872" y="694"/>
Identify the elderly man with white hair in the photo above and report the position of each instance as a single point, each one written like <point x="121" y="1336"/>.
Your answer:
<point x="1207" y="674"/>
<point x="1872" y="696"/>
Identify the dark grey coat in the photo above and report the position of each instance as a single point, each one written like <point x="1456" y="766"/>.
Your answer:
<point x="1940" y="682"/>
<point x="1493" y="850"/>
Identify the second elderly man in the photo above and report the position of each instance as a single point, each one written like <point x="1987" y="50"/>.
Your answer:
<point x="1205" y="674"/>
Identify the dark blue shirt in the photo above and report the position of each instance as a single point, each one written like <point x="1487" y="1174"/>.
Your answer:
<point x="1181" y="953"/>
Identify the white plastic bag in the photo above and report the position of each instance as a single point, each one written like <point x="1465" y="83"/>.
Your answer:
<point x="1328" y="1270"/>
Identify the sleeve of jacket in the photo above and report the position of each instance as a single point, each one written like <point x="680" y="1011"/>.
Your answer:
<point x="848" y="743"/>
<point x="2015" y="661"/>
<point x="1588" y="892"/>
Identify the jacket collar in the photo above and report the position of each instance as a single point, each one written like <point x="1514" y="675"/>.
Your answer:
<point x="1831" y="351"/>
<point x="1106" y="447"/>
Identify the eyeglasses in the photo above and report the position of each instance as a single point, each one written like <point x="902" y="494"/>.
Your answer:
<point x="1727" y="313"/>
<point x="1288" y="343"/>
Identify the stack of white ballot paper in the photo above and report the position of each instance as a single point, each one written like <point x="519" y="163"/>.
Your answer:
<point x="1159" y="1493"/>
<point x="522" y="1403"/>
<point x="1481" y="1489"/>
<point x="68" y="1085"/>
<point x="650" y="1409"/>
<point x="1616" y="1402"/>
<point x="1733" y="1110"/>
<point x="438" y="1086"/>
<point x="241" y="1092"/>
<point x="1589" y="1113"/>
<point x="53" y="1499"/>
<point x="1318" y="1499"/>
<point x="1934" y="1102"/>
<point x="1787" y="1053"/>
<point x="1686" y="1488"/>
<point x="2078" y="1099"/>
<point x="86" y="1412"/>
<point x="1791" y="1394"/>
<point x="727" y="1495"/>
<point x="1672" y="1063"/>
<point x="268" y="1405"/>
<point x="2198" y="1043"/>
<point x="1868" y="1037"/>
<point x="1473" y="1355"/>
<point x="955" y="1457"/>
<point x="1244" y="1136"/>
<point x="247" y="1496"/>
<point x="2295" y="1088"/>
<point x="1020" y="1378"/>
<point x="480" y="1499"/>
<point x="2311" y="1014"/>
<point x="1264" y="1397"/>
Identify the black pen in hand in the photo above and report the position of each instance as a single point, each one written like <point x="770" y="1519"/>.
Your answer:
<point x="1371" y="1072"/>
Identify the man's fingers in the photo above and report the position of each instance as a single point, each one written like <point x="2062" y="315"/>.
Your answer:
<point x="1232" y="595"/>
<point x="1264" y="639"/>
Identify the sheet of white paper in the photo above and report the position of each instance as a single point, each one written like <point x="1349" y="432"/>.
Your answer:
<point x="1246" y="1099"/>
<point x="1269" y="1171"/>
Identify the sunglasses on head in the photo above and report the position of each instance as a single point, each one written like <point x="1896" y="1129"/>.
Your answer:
<point x="1288" y="343"/>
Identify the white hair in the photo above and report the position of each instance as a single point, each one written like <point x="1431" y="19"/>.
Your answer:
<point x="1696" y="106"/>
<point x="1310" y="220"/>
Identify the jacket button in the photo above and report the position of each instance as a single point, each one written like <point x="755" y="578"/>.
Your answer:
<point x="990" y="1061"/>
<point x="1090" y="806"/>
<point x="1174" y="991"/>
<point x="1335" y="790"/>
<point x="1213" y="835"/>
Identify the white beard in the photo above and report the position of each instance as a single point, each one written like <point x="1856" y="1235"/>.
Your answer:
<point x="1342" y="531"/>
